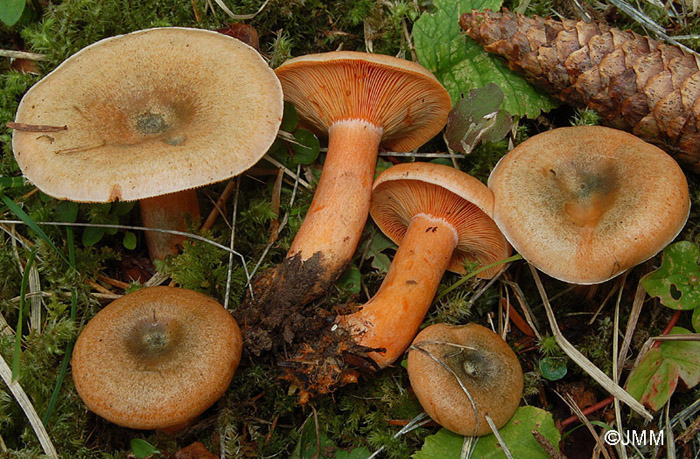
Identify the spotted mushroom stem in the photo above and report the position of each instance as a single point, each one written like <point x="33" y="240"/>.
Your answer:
<point x="333" y="225"/>
<point x="170" y="212"/>
<point x="391" y="319"/>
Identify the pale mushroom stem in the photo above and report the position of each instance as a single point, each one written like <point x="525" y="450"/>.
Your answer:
<point x="333" y="225"/>
<point x="170" y="212"/>
<point x="391" y="319"/>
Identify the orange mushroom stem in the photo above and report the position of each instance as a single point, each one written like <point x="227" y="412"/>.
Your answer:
<point x="440" y="217"/>
<point x="170" y="212"/>
<point x="393" y="316"/>
<point x="360" y="101"/>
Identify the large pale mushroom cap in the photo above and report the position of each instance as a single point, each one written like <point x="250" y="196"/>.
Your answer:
<point x="148" y="113"/>
<point x="584" y="204"/>
<point x="405" y="190"/>
<point x="400" y="96"/>
<point x="156" y="358"/>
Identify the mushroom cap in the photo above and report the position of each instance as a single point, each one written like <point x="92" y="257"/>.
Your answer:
<point x="485" y="364"/>
<point x="156" y="358"/>
<point x="408" y="189"/>
<point x="584" y="204"/>
<point x="400" y="96"/>
<point x="148" y="113"/>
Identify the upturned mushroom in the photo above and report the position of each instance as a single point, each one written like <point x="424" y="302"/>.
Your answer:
<point x="584" y="204"/>
<point x="361" y="101"/>
<point x="156" y="358"/>
<point x="447" y="361"/>
<point x="440" y="218"/>
<point x="149" y="116"/>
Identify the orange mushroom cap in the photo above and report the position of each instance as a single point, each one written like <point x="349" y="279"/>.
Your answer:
<point x="400" y="96"/>
<point x="148" y="113"/>
<point x="583" y="204"/>
<point x="408" y="189"/>
<point x="486" y="366"/>
<point x="156" y="358"/>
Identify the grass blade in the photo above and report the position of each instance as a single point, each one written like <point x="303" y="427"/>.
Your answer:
<point x="22" y="215"/>
<point x="20" y="318"/>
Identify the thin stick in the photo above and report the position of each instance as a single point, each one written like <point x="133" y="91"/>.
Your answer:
<point x="22" y="55"/>
<point x="571" y="403"/>
<point x="34" y="127"/>
<point x="593" y="371"/>
<point x="494" y="429"/>
<point x="276" y="163"/>
<point x="28" y="409"/>
<point x="214" y="214"/>
<point x="615" y="372"/>
<point x="637" y="304"/>
<point x="240" y="17"/>
<point x="230" y="254"/>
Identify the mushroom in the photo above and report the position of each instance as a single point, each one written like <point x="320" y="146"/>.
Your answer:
<point x="149" y="116"/>
<point x="440" y="217"/>
<point x="447" y="361"/>
<point x="361" y="101"/>
<point x="584" y="204"/>
<point x="156" y="358"/>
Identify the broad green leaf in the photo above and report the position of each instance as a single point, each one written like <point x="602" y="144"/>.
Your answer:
<point x="306" y="150"/>
<point x="290" y="119"/>
<point x="677" y="281"/>
<point x="462" y="65"/>
<point x="656" y="377"/>
<point x="11" y="11"/>
<point x="517" y="435"/>
<point x="121" y="208"/>
<point x="67" y="211"/>
<point x="476" y="117"/>
<point x="129" y="240"/>
<point x="92" y="235"/>
<point x="351" y="280"/>
<point x="141" y="448"/>
<point x="553" y="368"/>
<point x="378" y="244"/>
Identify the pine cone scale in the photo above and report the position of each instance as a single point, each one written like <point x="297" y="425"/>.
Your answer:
<point x="636" y="83"/>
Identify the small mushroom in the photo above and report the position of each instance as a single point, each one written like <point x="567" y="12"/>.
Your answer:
<point x="156" y="358"/>
<point x="440" y="217"/>
<point x="479" y="363"/>
<point x="361" y="101"/>
<point x="149" y="116"/>
<point x="584" y="204"/>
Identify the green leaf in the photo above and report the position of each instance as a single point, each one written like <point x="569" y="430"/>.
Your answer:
<point x="121" y="208"/>
<point x="477" y="118"/>
<point x="20" y="319"/>
<point x="11" y="11"/>
<point x="141" y="448"/>
<point x="695" y="320"/>
<point x="67" y="211"/>
<point x="306" y="150"/>
<point x="92" y="235"/>
<point x="553" y="368"/>
<point x="290" y="118"/>
<point x="656" y="377"/>
<point x="517" y="435"/>
<point x="677" y="281"/>
<point x="129" y="240"/>
<point x="351" y="280"/>
<point x="11" y="182"/>
<point x="462" y="65"/>
<point x="111" y="219"/>
<point x="378" y="244"/>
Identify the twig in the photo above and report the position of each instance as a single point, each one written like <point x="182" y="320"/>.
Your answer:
<point x="548" y="447"/>
<point x="494" y="429"/>
<point x="34" y="127"/>
<point x="593" y="371"/>
<point x="637" y="304"/>
<point x="28" y="409"/>
<point x="22" y="55"/>
<point x="571" y="403"/>
<point x="214" y="214"/>
<point x="230" y="254"/>
<point x="240" y="17"/>
<point x="615" y="373"/>
<point x="276" y="163"/>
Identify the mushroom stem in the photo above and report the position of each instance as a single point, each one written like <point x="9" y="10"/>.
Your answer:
<point x="333" y="225"/>
<point x="391" y="319"/>
<point x="168" y="211"/>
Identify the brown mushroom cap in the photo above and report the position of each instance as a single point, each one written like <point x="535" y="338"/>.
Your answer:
<point x="408" y="189"/>
<point x="584" y="204"/>
<point x="485" y="364"/>
<point x="156" y="358"/>
<point x="400" y="96"/>
<point x="148" y="113"/>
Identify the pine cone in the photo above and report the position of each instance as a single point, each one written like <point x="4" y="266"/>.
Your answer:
<point x="636" y="83"/>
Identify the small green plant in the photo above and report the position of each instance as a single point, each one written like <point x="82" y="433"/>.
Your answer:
<point x="11" y="11"/>
<point x="303" y="145"/>
<point x="142" y="449"/>
<point x="106" y="214"/>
